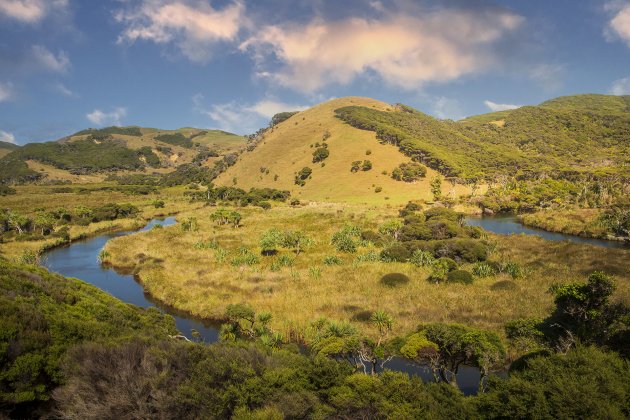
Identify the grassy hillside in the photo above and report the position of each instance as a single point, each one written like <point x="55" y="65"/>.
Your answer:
<point x="288" y="147"/>
<point x="6" y="148"/>
<point x="564" y="137"/>
<point x="90" y="155"/>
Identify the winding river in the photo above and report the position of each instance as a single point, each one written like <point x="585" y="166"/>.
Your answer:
<point x="80" y="260"/>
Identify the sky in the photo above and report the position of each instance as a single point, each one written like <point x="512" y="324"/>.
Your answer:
<point x="66" y="65"/>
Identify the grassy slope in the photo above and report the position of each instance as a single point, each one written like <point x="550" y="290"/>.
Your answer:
<point x="191" y="279"/>
<point x="6" y="148"/>
<point x="286" y="149"/>
<point x="585" y="133"/>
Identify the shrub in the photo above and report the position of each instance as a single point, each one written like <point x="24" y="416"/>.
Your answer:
<point x="459" y="276"/>
<point x="266" y="205"/>
<point x="396" y="252"/>
<point x="303" y="175"/>
<point x="422" y="258"/>
<point x="332" y="260"/>
<point x="158" y="204"/>
<point x="226" y="217"/>
<point x="368" y="152"/>
<point x="409" y="172"/>
<point x="378" y="189"/>
<point x="371" y="256"/>
<point x="366" y="166"/>
<point x="345" y="239"/>
<point x="449" y="263"/>
<point x="513" y="270"/>
<point x="356" y="166"/>
<point x="320" y="154"/>
<point x="285" y="260"/>
<point x="483" y="269"/>
<point x="394" y="279"/>
<point x="246" y="257"/>
<point x="189" y="225"/>
<point x="315" y="272"/>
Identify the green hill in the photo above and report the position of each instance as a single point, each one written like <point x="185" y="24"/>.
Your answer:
<point x="6" y="148"/>
<point x="93" y="154"/>
<point x="565" y="137"/>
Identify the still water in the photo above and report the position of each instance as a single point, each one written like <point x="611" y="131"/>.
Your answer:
<point x="509" y="224"/>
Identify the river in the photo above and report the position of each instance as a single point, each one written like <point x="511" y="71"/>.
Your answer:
<point x="80" y="260"/>
<point x="509" y="224"/>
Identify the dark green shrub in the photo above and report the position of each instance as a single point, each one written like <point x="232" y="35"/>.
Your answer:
<point x="264" y="205"/>
<point x="366" y="166"/>
<point x="409" y="172"/>
<point x="459" y="276"/>
<point x="448" y="262"/>
<point x="320" y="154"/>
<point x="303" y="175"/>
<point x="396" y="252"/>
<point x="394" y="279"/>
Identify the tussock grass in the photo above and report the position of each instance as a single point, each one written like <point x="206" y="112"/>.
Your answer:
<point x="177" y="272"/>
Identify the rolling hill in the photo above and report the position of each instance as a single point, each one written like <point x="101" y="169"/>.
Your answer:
<point x="93" y="154"/>
<point x="288" y="147"/>
<point x="6" y="148"/>
<point x="564" y="138"/>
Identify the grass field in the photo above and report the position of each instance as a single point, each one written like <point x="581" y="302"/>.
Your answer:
<point x="287" y="149"/>
<point x="176" y="268"/>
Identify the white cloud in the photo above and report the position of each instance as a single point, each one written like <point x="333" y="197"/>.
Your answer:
<point x="241" y="118"/>
<point x="65" y="91"/>
<point x="31" y="11"/>
<point x="7" y="137"/>
<point x="404" y="49"/>
<point x="114" y="117"/>
<point x="6" y="91"/>
<point x="621" y="86"/>
<point x="192" y="26"/>
<point x="58" y="63"/>
<point x="494" y="107"/>
<point x="619" y="24"/>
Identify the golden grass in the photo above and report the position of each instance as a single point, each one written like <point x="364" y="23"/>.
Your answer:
<point x="174" y="271"/>
<point x="286" y="149"/>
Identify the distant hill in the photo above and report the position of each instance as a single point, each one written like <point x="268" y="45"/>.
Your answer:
<point x="288" y="147"/>
<point x="93" y="154"/>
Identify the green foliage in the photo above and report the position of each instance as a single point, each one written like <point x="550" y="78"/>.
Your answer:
<point x="394" y="279"/>
<point x="409" y="172"/>
<point x="417" y="347"/>
<point x="189" y="224"/>
<point x="281" y="117"/>
<point x="436" y="188"/>
<point x="42" y="315"/>
<point x="483" y="269"/>
<point x="320" y="154"/>
<point x="366" y="165"/>
<point x="108" y="131"/>
<point x="245" y="257"/>
<point x="346" y="239"/>
<point x="422" y="258"/>
<point x="556" y="140"/>
<point x="303" y="175"/>
<point x="459" y="276"/>
<point x="176" y="139"/>
<point x="296" y="240"/>
<point x="332" y="260"/>
<point x="584" y="383"/>
<point x="226" y="217"/>
<point x="355" y="166"/>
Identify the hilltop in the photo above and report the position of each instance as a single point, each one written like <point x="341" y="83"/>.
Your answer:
<point x="93" y="154"/>
<point x="288" y="147"/>
<point x="6" y="148"/>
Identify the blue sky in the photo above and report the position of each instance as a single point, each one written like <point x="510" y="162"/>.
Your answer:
<point x="70" y="64"/>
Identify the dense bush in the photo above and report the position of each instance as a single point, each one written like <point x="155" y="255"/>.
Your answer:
<point x="409" y="172"/>
<point x="394" y="279"/>
<point x="320" y="154"/>
<point x="176" y="139"/>
<point x="460" y="276"/>
<point x="302" y="176"/>
<point x="50" y="315"/>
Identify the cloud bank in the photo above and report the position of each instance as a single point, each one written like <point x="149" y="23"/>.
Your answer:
<point x="404" y="50"/>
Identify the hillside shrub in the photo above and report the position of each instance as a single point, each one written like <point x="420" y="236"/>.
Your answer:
<point x="409" y="172"/>
<point x="320" y="154"/>
<point x="302" y="176"/>
<point x="460" y="276"/>
<point x="394" y="279"/>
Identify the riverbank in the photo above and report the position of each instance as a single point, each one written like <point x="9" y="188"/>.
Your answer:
<point x="585" y="223"/>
